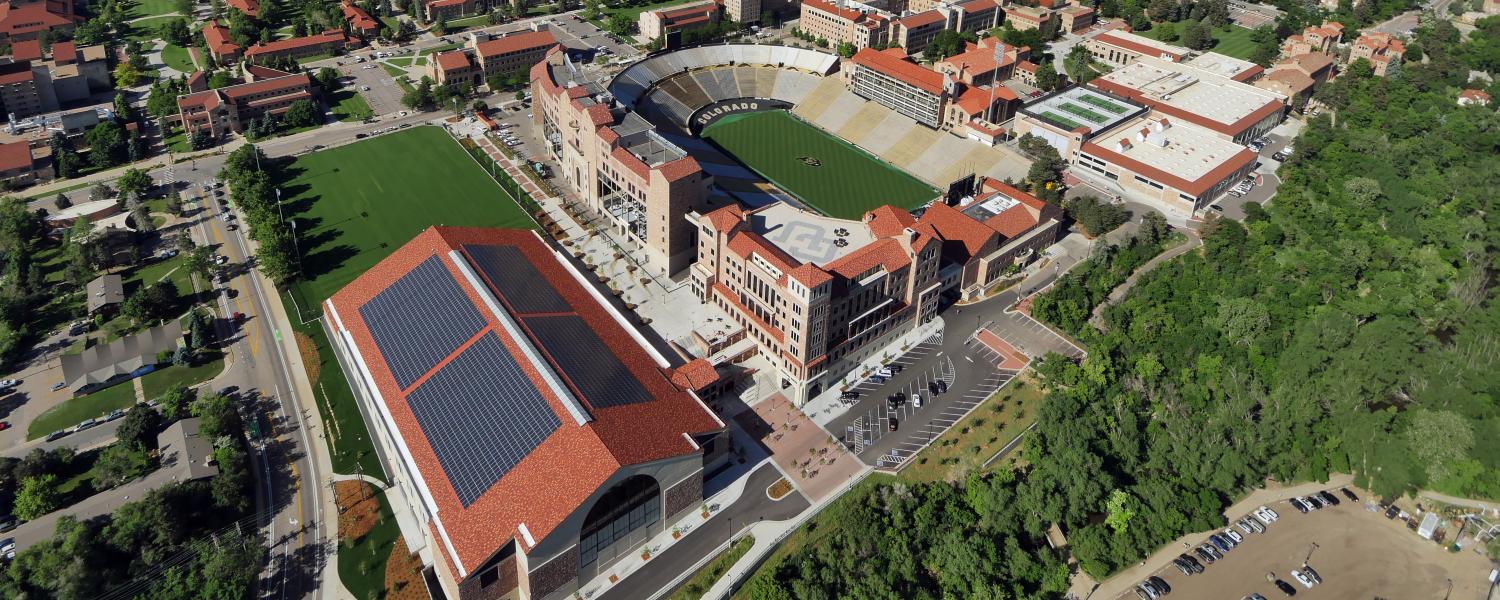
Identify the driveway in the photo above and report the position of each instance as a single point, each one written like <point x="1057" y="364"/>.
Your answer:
<point x="752" y="506"/>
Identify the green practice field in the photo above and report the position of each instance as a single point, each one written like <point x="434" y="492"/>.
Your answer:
<point x="356" y="204"/>
<point x="828" y="174"/>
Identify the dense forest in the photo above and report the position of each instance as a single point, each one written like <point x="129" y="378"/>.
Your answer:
<point x="1348" y="326"/>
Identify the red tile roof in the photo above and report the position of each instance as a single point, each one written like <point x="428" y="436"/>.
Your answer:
<point x="681" y="168"/>
<point x="809" y="275"/>
<point x="1134" y="46"/>
<point x="294" y="82"/>
<point x="1027" y="66"/>
<point x="519" y="41"/>
<point x="18" y="19"/>
<point x="888" y="220"/>
<point x="453" y="61"/>
<point x="207" y="100"/>
<point x="566" y="469"/>
<point x="903" y="70"/>
<point x="64" y="51"/>
<point x="26" y="50"/>
<point x="325" y="38"/>
<point x="696" y="375"/>
<point x="977" y="59"/>
<point x="358" y="18"/>
<point x="15" y="155"/>
<point x="1476" y="96"/>
<point x="921" y="19"/>
<point x="725" y="217"/>
<point x="249" y="7"/>
<point x="259" y="72"/>
<point x="966" y="233"/>
<point x="196" y="79"/>
<point x="886" y="253"/>
<point x="218" y="40"/>
<point x="820" y="5"/>
<point x="18" y="72"/>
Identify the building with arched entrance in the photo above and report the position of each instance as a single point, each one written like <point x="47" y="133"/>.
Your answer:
<point x="534" y="437"/>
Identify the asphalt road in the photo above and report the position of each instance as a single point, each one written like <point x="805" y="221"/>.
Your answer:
<point x="752" y="506"/>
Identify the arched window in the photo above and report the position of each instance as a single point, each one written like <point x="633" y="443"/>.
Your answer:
<point x="622" y="518"/>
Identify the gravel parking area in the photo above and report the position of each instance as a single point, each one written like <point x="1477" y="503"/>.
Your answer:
<point x="1359" y="554"/>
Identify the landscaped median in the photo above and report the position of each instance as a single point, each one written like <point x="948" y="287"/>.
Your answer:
<point x="704" y="579"/>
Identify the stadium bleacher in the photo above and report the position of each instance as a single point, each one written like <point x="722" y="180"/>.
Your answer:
<point x="673" y="85"/>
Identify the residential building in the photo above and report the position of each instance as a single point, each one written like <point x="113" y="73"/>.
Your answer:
<point x="19" y="165"/>
<point x="989" y="61"/>
<point x="22" y="20"/>
<point x="230" y="109"/>
<point x="1023" y="17"/>
<point x="104" y="294"/>
<point x="850" y="22"/>
<point x="37" y="85"/>
<point x="815" y="307"/>
<point x="20" y="93"/>
<point x="1074" y="19"/>
<point x="483" y="57"/>
<point x="220" y="45"/>
<point x="1473" y="98"/>
<point x="1297" y="77"/>
<point x="360" y="22"/>
<point x="250" y="8"/>
<point x="1119" y="48"/>
<point x="668" y="24"/>
<point x="329" y="43"/>
<point x="1383" y="51"/>
<point x="1322" y="38"/>
<point x="450" y="10"/>
<point x="1236" y="111"/>
<point x="466" y="338"/>
<point x="634" y="179"/>
<point x="913" y="33"/>
<point x="995" y="229"/>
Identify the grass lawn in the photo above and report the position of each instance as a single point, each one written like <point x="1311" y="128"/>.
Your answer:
<point x="178" y="142"/>
<point x="393" y="70"/>
<point x="314" y="58"/>
<point x="148" y="29"/>
<point x="356" y="204"/>
<point x="970" y="442"/>
<point x="440" y="49"/>
<point x="349" y="440"/>
<point x="362" y="563"/>
<point x="405" y="83"/>
<point x="392" y="23"/>
<point x="462" y="24"/>
<point x="403" y="62"/>
<point x="348" y="105"/>
<point x="846" y="182"/>
<point x="634" y="12"/>
<point x="150" y="8"/>
<point x="705" y="578"/>
<point x="1230" y="40"/>
<point x="178" y="58"/>
<point x="75" y="410"/>
<point x="158" y="383"/>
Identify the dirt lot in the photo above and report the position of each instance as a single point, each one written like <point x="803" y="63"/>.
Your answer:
<point x="1360" y="555"/>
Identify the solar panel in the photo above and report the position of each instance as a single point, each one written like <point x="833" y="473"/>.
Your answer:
<point x="482" y="415"/>
<point x="595" y="371"/>
<point x="420" y="319"/>
<point x="511" y="274"/>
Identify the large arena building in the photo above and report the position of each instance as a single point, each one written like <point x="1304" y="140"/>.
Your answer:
<point x="534" y="436"/>
<point x="798" y="203"/>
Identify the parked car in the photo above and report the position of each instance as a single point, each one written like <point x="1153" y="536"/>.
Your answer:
<point x="87" y="424"/>
<point x="9" y="383"/>
<point x="1328" y="498"/>
<point x="916" y="399"/>
<point x="114" y="414"/>
<point x="893" y="423"/>
<point x="1279" y="156"/>
<point x="4" y="425"/>
<point x="1255" y="597"/>
<point x="1204" y="554"/>
<point x="1286" y="588"/>
<point x="1298" y="504"/>
<point x="1311" y="574"/>
<point x="1390" y="512"/>
<point x="7" y="525"/>
<point x="884" y="372"/>
<point x="1348" y="494"/>
<point x="59" y="385"/>
<point x="1234" y="536"/>
<point x="1159" y="584"/>
<point x="1267" y="515"/>
<point x="1219" y="542"/>
<point x="1245" y="527"/>
<point x="57" y="435"/>
<point x="1302" y="579"/>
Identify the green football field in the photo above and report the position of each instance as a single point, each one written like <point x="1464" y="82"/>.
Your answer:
<point x="825" y="172"/>
<point x="358" y="203"/>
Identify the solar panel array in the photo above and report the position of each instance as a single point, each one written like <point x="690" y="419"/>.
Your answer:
<point x="420" y="319"/>
<point x="482" y="415"/>
<point x="579" y="353"/>
<point x="513" y="275"/>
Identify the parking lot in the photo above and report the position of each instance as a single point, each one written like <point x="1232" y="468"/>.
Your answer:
<point x="384" y="95"/>
<point x="1358" y="554"/>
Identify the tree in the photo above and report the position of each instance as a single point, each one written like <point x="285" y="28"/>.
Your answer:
<point x="62" y="201"/>
<point x="118" y="464"/>
<point x="38" y="496"/>
<point x="107" y="144"/>
<point x="328" y="79"/>
<point x="139" y="427"/>
<point x="151" y="302"/>
<point x="1195" y="35"/>
<point x="199" y="263"/>
<point x="174" y="404"/>
<point x="846" y="49"/>
<point x="946" y="43"/>
<point x="134" y="182"/>
<point x="176" y="32"/>
<point x="619" y="24"/>
<point x="1097" y="218"/>
<point x="1117" y="511"/>
<point x="440" y="27"/>
<point x="302" y="113"/>
<point x="1438" y="439"/>
<point x="1080" y="65"/>
<point x="1046" y="76"/>
<point x="174" y="201"/>
<point x="126" y="75"/>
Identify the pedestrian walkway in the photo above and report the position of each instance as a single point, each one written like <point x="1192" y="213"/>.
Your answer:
<point x="140" y="390"/>
<point x="827" y="406"/>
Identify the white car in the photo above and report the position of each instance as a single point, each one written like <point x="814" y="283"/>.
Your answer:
<point x="401" y="114"/>
<point x="1266" y="515"/>
<point x="9" y="383"/>
<point x="1302" y="579"/>
<point x="364" y="88"/>
<point x="1245" y="527"/>
<point x="1234" y="535"/>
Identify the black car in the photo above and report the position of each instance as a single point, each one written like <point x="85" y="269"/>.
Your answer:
<point x="360" y="136"/>
<point x="1348" y="494"/>
<point x="1204" y="554"/>
<point x="1279" y="156"/>
<point x="1297" y="504"/>
<point x="1390" y="513"/>
<point x="1161" y="586"/>
<point x="896" y="367"/>
<point x="895" y="400"/>
<point x="1182" y="567"/>
<point x="932" y="387"/>
<point x="849" y="395"/>
<point x="1315" y="502"/>
<point x="942" y="386"/>
<point x="1286" y="588"/>
<point x="1328" y="498"/>
<point x="1191" y="563"/>
<point x="894" y="423"/>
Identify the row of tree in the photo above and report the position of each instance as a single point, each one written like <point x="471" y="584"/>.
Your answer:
<point x="252" y="181"/>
